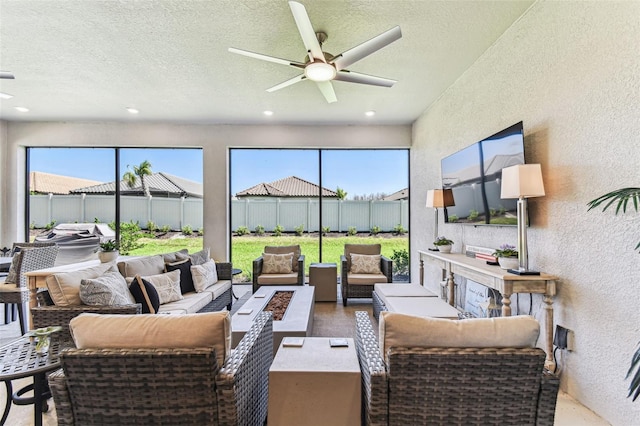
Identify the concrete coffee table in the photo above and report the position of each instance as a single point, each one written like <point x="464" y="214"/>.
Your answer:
<point x="297" y="321"/>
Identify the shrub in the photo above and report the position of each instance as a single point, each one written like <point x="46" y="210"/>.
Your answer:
<point x="165" y="228"/>
<point x="32" y="225"/>
<point x="326" y="230"/>
<point x="49" y="226"/>
<point x="375" y="230"/>
<point x="453" y="218"/>
<point x="187" y="230"/>
<point x="492" y="212"/>
<point x="400" y="262"/>
<point x="277" y="231"/>
<point x="352" y="231"/>
<point x="129" y="235"/>
<point x="200" y="231"/>
<point x="242" y="230"/>
<point x="399" y="229"/>
<point x="151" y="226"/>
<point x="259" y="230"/>
<point x="299" y="230"/>
<point x="473" y="214"/>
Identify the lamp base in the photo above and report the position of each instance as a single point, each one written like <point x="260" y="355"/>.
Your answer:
<point x="519" y="272"/>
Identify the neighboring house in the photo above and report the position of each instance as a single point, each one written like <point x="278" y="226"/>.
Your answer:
<point x="160" y="184"/>
<point x="47" y="183"/>
<point x="291" y="186"/>
<point x="403" y="194"/>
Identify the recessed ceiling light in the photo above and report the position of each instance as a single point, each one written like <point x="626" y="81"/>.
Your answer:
<point x="370" y="113"/>
<point x="5" y="96"/>
<point x="268" y="113"/>
<point x="22" y="109"/>
<point x="132" y="110"/>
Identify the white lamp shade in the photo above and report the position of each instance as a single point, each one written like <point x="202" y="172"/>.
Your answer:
<point x="523" y="180"/>
<point x="440" y="198"/>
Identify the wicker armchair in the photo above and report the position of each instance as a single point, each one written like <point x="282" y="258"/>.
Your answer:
<point x="360" y="286"/>
<point x="294" y="278"/>
<point x="166" y="386"/>
<point x="443" y="386"/>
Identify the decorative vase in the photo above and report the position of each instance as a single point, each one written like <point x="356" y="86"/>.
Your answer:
<point x="508" y="262"/>
<point x="445" y="249"/>
<point x="107" y="256"/>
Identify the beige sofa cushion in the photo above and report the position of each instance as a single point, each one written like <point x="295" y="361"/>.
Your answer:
<point x="97" y="331"/>
<point x="64" y="287"/>
<point x="397" y="330"/>
<point x="143" y="266"/>
<point x="284" y="250"/>
<point x="176" y="256"/>
<point x="190" y="303"/>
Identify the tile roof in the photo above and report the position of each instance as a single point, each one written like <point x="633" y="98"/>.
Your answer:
<point x="160" y="184"/>
<point x="47" y="183"/>
<point x="291" y="186"/>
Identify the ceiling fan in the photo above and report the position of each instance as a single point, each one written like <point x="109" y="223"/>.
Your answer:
<point x="323" y="67"/>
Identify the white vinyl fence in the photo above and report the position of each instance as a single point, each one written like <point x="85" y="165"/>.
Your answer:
<point x="339" y="215"/>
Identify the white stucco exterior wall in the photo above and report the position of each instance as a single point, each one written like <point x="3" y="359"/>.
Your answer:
<point x="571" y="72"/>
<point x="213" y="139"/>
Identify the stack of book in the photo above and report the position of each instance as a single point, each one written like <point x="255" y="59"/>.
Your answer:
<point x="483" y="253"/>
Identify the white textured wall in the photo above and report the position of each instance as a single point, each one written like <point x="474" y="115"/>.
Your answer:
<point x="214" y="139"/>
<point x="571" y="72"/>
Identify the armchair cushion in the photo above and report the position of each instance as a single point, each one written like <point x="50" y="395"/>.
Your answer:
<point x="277" y="263"/>
<point x="204" y="275"/>
<point x="365" y="264"/>
<point x="284" y="250"/>
<point x="278" y="279"/>
<point x="144" y="266"/>
<point x="64" y="287"/>
<point x="206" y="330"/>
<point x="360" y="249"/>
<point x="108" y="289"/>
<point x="366" y="279"/>
<point x="400" y="330"/>
<point x="12" y="277"/>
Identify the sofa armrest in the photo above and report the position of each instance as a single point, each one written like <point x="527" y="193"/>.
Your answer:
<point x="61" y="398"/>
<point x="243" y="381"/>
<point x="386" y="266"/>
<point x="257" y="270"/>
<point x="373" y="370"/>
<point x="224" y="270"/>
<point x="44" y="316"/>
<point x="301" y="270"/>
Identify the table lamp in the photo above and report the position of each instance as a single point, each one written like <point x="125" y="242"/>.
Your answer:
<point x="522" y="181"/>
<point x="437" y="198"/>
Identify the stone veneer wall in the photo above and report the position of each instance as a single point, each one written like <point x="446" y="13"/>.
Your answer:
<point x="571" y="72"/>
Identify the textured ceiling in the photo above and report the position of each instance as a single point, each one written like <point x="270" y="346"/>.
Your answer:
<point x="89" y="60"/>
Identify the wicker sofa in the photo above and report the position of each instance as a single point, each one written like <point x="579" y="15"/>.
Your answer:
<point x="166" y="386"/>
<point x="453" y="385"/>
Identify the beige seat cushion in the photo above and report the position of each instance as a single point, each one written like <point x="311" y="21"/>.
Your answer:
<point x="218" y="288"/>
<point x="143" y="266"/>
<point x="64" y="287"/>
<point x="366" y="279"/>
<point x="360" y="249"/>
<point x="284" y="250"/>
<point x="97" y="331"/>
<point x="399" y="330"/>
<point x="190" y="303"/>
<point x="422" y="307"/>
<point x="384" y="290"/>
<point x="275" y="279"/>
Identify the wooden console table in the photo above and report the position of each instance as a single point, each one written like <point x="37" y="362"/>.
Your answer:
<point x="498" y="279"/>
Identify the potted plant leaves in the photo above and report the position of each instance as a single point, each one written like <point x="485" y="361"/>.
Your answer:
<point x="507" y="256"/>
<point x="443" y="244"/>
<point x="108" y="251"/>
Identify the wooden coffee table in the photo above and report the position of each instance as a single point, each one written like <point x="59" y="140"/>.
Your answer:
<point x="297" y="321"/>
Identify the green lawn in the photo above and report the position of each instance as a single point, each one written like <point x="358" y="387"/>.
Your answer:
<point x="247" y="248"/>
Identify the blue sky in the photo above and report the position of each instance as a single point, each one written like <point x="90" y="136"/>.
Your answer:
<point x="356" y="171"/>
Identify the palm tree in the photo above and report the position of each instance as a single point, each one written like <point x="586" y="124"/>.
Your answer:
<point x="341" y="193"/>
<point x="144" y="169"/>
<point x="622" y="197"/>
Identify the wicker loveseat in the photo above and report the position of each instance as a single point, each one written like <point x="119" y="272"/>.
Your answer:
<point x="152" y="386"/>
<point x="452" y="385"/>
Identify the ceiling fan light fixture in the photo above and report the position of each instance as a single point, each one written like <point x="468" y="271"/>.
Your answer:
<point x="5" y="96"/>
<point x="320" y="71"/>
<point x="21" y="109"/>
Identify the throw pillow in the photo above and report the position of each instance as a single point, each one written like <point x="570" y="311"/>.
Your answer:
<point x="145" y="293"/>
<point x="277" y="263"/>
<point x="176" y="256"/>
<point x="109" y="289"/>
<point x="365" y="264"/>
<point x="147" y="265"/>
<point x="64" y="287"/>
<point x="200" y="257"/>
<point x="186" y="280"/>
<point x="12" y="277"/>
<point x="167" y="285"/>
<point x="204" y="275"/>
<point x="284" y="250"/>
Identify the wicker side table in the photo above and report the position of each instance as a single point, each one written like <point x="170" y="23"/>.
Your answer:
<point x="18" y="360"/>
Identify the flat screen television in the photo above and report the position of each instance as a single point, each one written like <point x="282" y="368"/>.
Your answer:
<point x="474" y="175"/>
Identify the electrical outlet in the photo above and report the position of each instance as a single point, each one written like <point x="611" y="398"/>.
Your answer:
<point x="561" y="338"/>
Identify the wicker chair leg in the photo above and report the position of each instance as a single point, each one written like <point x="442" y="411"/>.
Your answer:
<point x="22" y="318"/>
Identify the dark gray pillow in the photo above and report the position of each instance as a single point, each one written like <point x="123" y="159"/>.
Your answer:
<point x="200" y="257"/>
<point x="108" y="289"/>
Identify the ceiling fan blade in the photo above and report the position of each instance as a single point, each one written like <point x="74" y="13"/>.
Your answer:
<point x="6" y="74"/>
<point x="306" y="30"/>
<point x="289" y="82"/>
<point x="356" y="77"/>
<point x="266" y="58"/>
<point x="354" y="54"/>
<point x="327" y="91"/>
